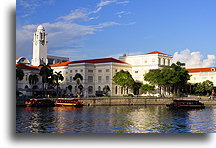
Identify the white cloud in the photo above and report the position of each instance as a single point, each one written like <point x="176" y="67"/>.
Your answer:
<point x="121" y="13"/>
<point x="59" y="33"/>
<point x="123" y="2"/>
<point x="194" y="59"/>
<point x="82" y="14"/>
<point x="31" y="5"/>
<point x="65" y="30"/>
<point x="108" y="2"/>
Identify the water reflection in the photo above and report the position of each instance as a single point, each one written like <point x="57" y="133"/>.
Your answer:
<point x="114" y="119"/>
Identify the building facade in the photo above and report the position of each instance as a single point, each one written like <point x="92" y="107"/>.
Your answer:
<point x="98" y="73"/>
<point x="202" y="74"/>
<point x="141" y="64"/>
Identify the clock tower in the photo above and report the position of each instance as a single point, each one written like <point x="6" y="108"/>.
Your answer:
<point x="40" y="47"/>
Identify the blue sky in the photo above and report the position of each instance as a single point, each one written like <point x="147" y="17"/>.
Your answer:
<point x="85" y="29"/>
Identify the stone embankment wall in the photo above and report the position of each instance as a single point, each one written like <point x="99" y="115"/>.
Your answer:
<point x="108" y="101"/>
<point x="135" y="101"/>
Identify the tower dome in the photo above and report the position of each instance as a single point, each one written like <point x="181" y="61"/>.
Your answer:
<point x="40" y="28"/>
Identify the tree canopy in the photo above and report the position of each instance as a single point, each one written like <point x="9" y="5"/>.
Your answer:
<point x="106" y="89"/>
<point x="19" y="73"/>
<point x="204" y="88"/>
<point x="174" y="77"/>
<point x="124" y="79"/>
<point x="77" y="77"/>
<point x="45" y="72"/>
<point x="33" y="79"/>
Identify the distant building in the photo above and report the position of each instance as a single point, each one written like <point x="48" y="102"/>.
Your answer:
<point x="202" y="74"/>
<point x="141" y="64"/>
<point x="22" y="60"/>
<point x="56" y="59"/>
<point x="97" y="73"/>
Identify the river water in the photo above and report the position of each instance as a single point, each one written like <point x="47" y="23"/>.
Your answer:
<point x="115" y="119"/>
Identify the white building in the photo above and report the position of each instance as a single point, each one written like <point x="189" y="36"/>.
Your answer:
<point x="40" y="45"/>
<point x="96" y="74"/>
<point x="202" y="74"/>
<point x="141" y="64"/>
<point x="23" y="85"/>
<point x="99" y="72"/>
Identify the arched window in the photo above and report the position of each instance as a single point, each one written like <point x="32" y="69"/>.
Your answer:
<point x="159" y="61"/>
<point x="26" y="87"/>
<point x="71" y="78"/>
<point x="116" y="90"/>
<point x="90" y="89"/>
<point x="35" y="87"/>
<point x="121" y="90"/>
<point x="99" y="88"/>
<point x="168" y="62"/>
<point x="70" y="87"/>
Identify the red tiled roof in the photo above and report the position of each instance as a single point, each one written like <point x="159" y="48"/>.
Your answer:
<point x="60" y="64"/>
<point x="103" y="60"/>
<point x="17" y="58"/>
<point x="194" y="70"/>
<point x="27" y="67"/>
<point x="156" y="52"/>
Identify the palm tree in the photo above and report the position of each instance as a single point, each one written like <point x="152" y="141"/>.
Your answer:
<point x="78" y="77"/>
<point x="33" y="79"/>
<point x="55" y="78"/>
<point x="45" y="72"/>
<point x="106" y="89"/>
<point x="19" y="75"/>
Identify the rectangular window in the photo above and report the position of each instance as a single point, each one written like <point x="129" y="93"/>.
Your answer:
<point x="107" y="78"/>
<point x="90" y="71"/>
<point x="107" y="70"/>
<point x="81" y="70"/>
<point x="71" y="71"/>
<point x="71" y="78"/>
<point x="76" y="71"/>
<point x="90" y="79"/>
<point x="99" y="79"/>
<point x="99" y="70"/>
<point x="136" y="71"/>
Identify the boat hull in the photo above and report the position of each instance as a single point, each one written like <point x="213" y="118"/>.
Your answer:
<point x="186" y="104"/>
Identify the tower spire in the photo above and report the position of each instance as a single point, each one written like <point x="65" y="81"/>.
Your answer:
<point x="40" y="44"/>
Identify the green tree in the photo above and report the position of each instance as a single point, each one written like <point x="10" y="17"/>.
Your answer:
<point x="180" y="77"/>
<point x="124" y="79"/>
<point x="106" y="89"/>
<point x="45" y="72"/>
<point x="78" y="78"/>
<point x="55" y="80"/>
<point x="174" y="77"/>
<point x="204" y="88"/>
<point x="136" y="87"/>
<point x="147" y="88"/>
<point x="19" y="76"/>
<point x="33" y="79"/>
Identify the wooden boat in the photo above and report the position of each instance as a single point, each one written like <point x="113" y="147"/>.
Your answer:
<point x="186" y="104"/>
<point x="39" y="102"/>
<point x="68" y="102"/>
